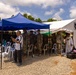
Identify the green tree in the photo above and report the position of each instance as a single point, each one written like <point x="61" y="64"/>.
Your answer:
<point x="38" y="20"/>
<point x="51" y="19"/>
<point x="25" y="15"/>
<point x="0" y="18"/>
<point x="30" y="17"/>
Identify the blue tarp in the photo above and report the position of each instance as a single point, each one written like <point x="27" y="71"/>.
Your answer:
<point x="20" y="22"/>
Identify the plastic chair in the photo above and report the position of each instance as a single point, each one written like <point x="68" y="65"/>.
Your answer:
<point x="12" y="49"/>
<point x="45" y="48"/>
<point x="54" y="49"/>
<point x="30" y="49"/>
<point x="63" y="50"/>
<point x="6" y="53"/>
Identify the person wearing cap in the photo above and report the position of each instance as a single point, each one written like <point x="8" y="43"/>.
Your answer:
<point x="39" y="42"/>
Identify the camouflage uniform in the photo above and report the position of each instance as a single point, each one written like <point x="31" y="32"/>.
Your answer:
<point x="32" y="41"/>
<point x="25" y="41"/>
<point x="32" y="38"/>
<point x="49" y="44"/>
<point x="59" y="41"/>
<point x="39" y="42"/>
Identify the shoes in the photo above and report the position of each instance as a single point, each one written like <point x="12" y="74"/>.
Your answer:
<point x="14" y="62"/>
<point x="33" y="55"/>
<point x="19" y="64"/>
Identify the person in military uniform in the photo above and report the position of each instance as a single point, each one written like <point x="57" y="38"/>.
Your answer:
<point x="59" y="41"/>
<point x="39" y="42"/>
<point x="32" y="41"/>
<point x="25" y="41"/>
<point x="31" y="37"/>
<point x="49" y="44"/>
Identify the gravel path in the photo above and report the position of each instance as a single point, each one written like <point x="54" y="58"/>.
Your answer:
<point x="44" y="65"/>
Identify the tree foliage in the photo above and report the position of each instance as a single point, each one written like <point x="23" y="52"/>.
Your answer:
<point x="51" y="19"/>
<point x="30" y="17"/>
<point x="25" y="15"/>
<point x="38" y="20"/>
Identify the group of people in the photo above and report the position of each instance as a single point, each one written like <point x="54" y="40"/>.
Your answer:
<point x="22" y="42"/>
<point x="66" y="44"/>
<point x="32" y="39"/>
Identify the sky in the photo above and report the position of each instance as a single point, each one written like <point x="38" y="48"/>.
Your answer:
<point x="44" y="9"/>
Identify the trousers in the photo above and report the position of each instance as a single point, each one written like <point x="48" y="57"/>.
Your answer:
<point x="18" y="56"/>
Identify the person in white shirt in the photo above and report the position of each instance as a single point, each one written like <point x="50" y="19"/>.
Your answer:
<point x="18" y="48"/>
<point x="69" y="43"/>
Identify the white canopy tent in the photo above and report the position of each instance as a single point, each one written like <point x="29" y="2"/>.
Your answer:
<point x="66" y="25"/>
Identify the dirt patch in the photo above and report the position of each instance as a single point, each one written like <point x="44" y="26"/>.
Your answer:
<point x="73" y="73"/>
<point x="73" y="66"/>
<point x="56" y="62"/>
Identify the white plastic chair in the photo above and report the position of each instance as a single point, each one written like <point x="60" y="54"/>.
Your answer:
<point x="63" y="50"/>
<point x="45" y="48"/>
<point x="12" y="49"/>
<point x="54" y="48"/>
<point x="30" y="49"/>
<point x="6" y="53"/>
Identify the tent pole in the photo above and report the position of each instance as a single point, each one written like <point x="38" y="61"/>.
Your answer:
<point x="1" y="44"/>
<point x="49" y="39"/>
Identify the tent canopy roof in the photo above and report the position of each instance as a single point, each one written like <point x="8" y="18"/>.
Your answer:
<point x="0" y="23"/>
<point x="20" y="22"/>
<point x="59" y="24"/>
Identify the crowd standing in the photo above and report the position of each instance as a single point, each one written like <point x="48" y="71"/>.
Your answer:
<point x="37" y="43"/>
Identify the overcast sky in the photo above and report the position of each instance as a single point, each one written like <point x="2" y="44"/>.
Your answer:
<point x="44" y="9"/>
